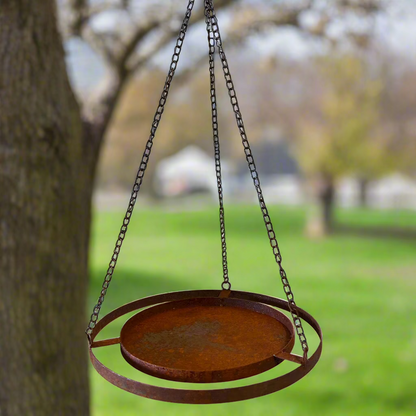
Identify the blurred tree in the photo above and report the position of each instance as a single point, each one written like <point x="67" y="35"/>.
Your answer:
<point x="398" y="117"/>
<point x="346" y="114"/>
<point x="187" y="120"/>
<point x="49" y="152"/>
<point x="188" y="112"/>
<point x="128" y="132"/>
<point x="349" y="129"/>
<point x="339" y="136"/>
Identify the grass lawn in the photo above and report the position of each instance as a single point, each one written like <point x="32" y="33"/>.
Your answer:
<point x="361" y="289"/>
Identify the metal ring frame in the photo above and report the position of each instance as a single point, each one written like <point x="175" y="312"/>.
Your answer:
<point x="201" y="396"/>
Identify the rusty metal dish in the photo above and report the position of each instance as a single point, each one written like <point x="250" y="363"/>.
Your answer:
<point x="206" y="340"/>
<point x="230" y="394"/>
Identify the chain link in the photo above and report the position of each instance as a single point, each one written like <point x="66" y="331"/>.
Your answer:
<point x="254" y="174"/>
<point x="143" y="165"/>
<point x="226" y="285"/>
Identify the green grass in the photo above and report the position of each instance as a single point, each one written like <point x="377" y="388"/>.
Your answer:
<point x="361" y="289"/>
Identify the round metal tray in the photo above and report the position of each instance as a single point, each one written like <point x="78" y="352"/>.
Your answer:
<point x="206" y="340"/>
<point x="191" y="396"/>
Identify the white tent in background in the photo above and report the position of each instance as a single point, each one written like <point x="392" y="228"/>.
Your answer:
<point x="188" y="171"/>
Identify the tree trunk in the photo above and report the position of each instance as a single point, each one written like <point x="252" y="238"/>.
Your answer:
<point x="46" y="178"/>
<point x="363" y="191"/>
<point x="320" y="220"/>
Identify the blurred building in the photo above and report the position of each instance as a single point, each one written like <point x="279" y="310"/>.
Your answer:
<point x="189" y="171"/>
<point x="392" y="192"/>
<point x="278" y="171"/>
<point x="192" y="171"/>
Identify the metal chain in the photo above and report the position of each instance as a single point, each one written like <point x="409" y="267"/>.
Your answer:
<point x="226" y="285"/>
<point x="254" y="174"/>
<point x="140" y="174"/>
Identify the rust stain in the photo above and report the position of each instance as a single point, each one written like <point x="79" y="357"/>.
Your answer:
<point x="201" y="341"/>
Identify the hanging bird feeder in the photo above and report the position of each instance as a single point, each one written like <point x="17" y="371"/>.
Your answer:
<point x="206" y="336"/>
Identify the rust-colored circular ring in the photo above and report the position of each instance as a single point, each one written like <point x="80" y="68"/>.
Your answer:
<point x="203" y="396"/>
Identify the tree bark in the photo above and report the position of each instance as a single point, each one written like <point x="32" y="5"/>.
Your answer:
<point x="363" y="191"/>
<point x="326" y="198"/>
<point x="46" y="179"/>
<point x="321" y="216"/>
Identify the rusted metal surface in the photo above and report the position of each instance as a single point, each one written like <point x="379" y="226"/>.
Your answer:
<point x="284" y="355"/>
<point x="105" y="342"/>
<point x="206" y="339"/>
<point x="225" y="293"/>
<point x="204" y="396"/>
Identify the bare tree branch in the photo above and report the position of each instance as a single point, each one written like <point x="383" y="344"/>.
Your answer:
<point x="99" y="107"/>
<point x="254" y="19"/>
<point x="366" y="6"/>
<point x="128" y="58"/>
<point x="80" y="12"/>
<point x="100" y="43"/>
<point x="124" y="56"/>
<point x="129" y="48"/>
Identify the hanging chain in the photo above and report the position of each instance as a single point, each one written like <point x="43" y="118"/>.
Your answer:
<point x="254" y="174"/>
<point x="226" y="285"/>
<point x="214" y="37"/>
<point x="140" y="174"/>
